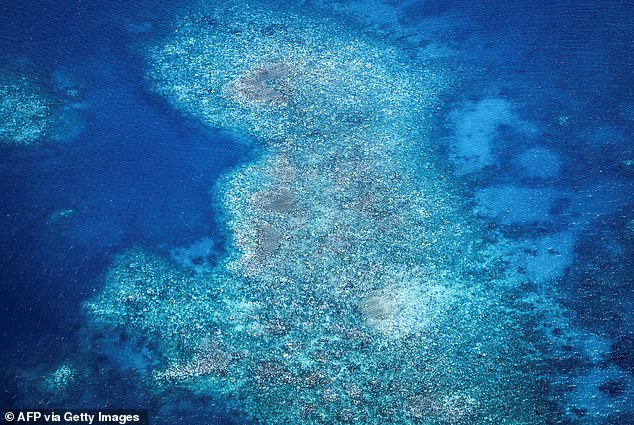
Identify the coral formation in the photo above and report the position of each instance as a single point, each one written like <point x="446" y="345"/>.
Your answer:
<point x="25" y="112"/>
<point x="267" y="85"/>
<point x="60" y="379"/>
<point x="354" y="288"/>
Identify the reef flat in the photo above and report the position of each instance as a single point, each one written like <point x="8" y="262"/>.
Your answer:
<point x="356" y="287"/>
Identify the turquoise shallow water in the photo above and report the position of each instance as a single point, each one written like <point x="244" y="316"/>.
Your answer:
<point x="361" y="212"/>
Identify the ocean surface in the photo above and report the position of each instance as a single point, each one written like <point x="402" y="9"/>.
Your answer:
<point x="528" y="118"/>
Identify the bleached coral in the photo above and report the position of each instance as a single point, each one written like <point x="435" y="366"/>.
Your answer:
<point x="25" y="112"/>
<point x="60" y="379"/>
<point x="354" y="284"/>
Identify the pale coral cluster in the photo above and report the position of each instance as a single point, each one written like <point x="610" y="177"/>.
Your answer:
<point x="355" y="289"/>
<point x="25" y="112"/>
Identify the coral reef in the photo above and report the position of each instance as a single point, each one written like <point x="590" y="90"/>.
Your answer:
<point x="25" y="112"/>
<point x="60" y="379"/>
<point x="267" y="85"/>
<point x="355" y="288"/>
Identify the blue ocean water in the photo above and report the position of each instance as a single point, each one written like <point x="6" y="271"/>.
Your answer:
<point x="551" y="83"/>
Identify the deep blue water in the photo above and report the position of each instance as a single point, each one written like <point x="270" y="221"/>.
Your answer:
<point x="139" y="173"/>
